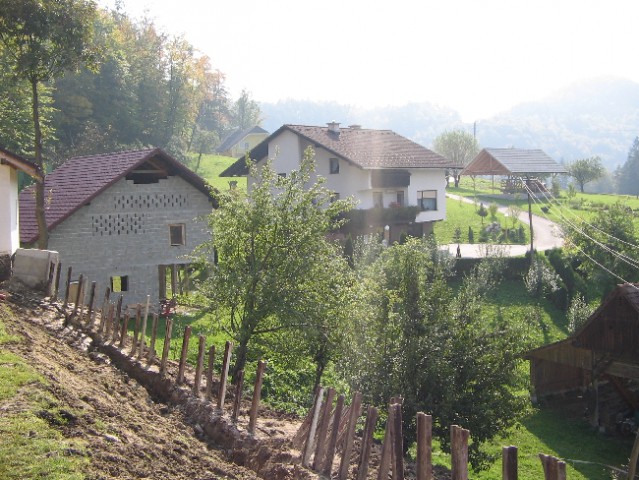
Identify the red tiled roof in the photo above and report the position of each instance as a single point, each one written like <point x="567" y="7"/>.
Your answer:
<point x="80" y="179"/>
<point x="365" y="148"/>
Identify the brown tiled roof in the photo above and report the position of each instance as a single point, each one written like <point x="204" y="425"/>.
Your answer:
<point x="509" y="161"/>
<point x="80" y="179"/>
<point x="18" y="162"/>
<point x="364" y="148"/>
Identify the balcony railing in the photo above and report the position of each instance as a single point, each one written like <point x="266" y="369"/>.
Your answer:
<point x="381" y="216"/>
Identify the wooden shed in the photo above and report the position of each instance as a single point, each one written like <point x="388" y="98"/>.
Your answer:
<point x="602" y="354"/>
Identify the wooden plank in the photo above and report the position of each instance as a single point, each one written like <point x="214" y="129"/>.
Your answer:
<point x="509" y="463"/>
<point x="398" y="443"/>
<point x="459" y="452"/>
<point x="387" y="446"/>
<point x="332" y="440"/>
<point x="367" y="443"/>
<point x="310" y="439"/>
<point x="257" y="394"/>
<point x="424" y="446"/>
<point x="322" y="431"/>
<point x="224" y="375"/>
<point x="355" y="410"/>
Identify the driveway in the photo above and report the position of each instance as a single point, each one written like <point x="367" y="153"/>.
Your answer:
<point x="546" y="235"/>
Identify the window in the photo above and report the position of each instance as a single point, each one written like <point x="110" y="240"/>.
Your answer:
<point x="378" y="199"/>
<point x="427" y="199"/>
<point x="334" y="168"/>
<point x="176" y="232"/>
<point x="400" y="198"/>
<point x="283" y="174"/>
<point x="120" y="284"/>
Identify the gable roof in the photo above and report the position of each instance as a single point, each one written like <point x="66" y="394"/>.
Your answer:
<point x="238" y="135"/>
<point x="80" y="179"/>
<point x="509" y="161"/>
<point x="364" y="148"/>
<point x="19" y="163"/>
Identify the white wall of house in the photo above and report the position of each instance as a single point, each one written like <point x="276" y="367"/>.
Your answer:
<point x="9" y="231"/>
<point x="428" y="179"/>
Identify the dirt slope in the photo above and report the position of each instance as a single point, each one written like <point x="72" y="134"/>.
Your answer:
<point x="127" y="435"/>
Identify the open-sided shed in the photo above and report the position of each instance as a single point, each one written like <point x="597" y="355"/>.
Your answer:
<point x="604" y="351"/>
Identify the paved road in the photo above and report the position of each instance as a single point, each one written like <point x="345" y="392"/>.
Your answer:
<point x="546" y="235"/>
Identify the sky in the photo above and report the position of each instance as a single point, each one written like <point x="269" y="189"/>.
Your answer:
<point x="479" y="57"/>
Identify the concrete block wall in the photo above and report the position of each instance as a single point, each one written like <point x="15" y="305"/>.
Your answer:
<point x="124" y="231"/>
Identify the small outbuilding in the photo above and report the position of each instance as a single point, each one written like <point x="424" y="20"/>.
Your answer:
<point x="598" y="364"/>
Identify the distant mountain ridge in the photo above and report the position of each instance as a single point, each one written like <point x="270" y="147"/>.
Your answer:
<point x="595" y="117"/>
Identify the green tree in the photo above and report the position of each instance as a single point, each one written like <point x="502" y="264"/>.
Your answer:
<point x="246" y="112"/>
<point x="277" y="270"/>
<point x="585" y="170"/>
<point x="458" y="146"/>
<point x="628" y="174"/>
<point x="578" y="312"/>
<point x="45" y="38"/>
<point x="482" y="212"/>
<point x="417" y="337"/>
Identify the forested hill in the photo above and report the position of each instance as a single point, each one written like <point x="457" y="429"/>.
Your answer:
<point x="598" y="117"/>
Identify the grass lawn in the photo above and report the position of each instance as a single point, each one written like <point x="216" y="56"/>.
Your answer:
<point x="210" y="168"/>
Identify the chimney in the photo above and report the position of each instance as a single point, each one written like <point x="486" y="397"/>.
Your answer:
<point x="333" y="126"/>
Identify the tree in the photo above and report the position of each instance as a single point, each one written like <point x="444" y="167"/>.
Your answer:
<point x="417" y="337"/>
<point x="277" y="270"/>
<point x="585" y="170"/>
<point x="458" y="146"/>
<point x="45" y="38"/>
<point x="246" y="112"/>
<point x="628" y="174"/>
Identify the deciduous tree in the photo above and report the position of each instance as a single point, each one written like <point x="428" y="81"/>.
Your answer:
<point x="45" y="38"/>
<point x="585" y="170"/>
<point x="277" y="270"/>
<point x="458" y="146"/>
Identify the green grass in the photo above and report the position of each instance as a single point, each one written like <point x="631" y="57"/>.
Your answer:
<point x="29" y="446"/>
<point x="462" y="215"/>
<point x="210" y="168"/>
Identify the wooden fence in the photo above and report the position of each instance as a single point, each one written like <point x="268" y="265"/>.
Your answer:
<point x="326" y="437"/>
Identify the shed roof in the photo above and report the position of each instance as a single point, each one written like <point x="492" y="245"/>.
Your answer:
<point x="512" y="161"/>
<point x="19" y="163"/>
<point x="364" y="148"/>
<point x="80" y="179"/>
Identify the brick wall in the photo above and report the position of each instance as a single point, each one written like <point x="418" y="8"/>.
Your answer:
<point x="124" y="231"/>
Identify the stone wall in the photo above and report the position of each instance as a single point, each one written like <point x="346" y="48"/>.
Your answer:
<point x="124" y="232"/>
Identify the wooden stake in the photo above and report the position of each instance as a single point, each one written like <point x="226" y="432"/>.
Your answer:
<point x="209" y="374"/>
<point x="257" y="394"/>
<point x="332" y="440"/>
<point x="185" y="351"/>
<point x="198" y="368"/>
<point x="424" y="446"/>
<point x="367" y="443"/>
<point x="459" y="452"/>
<point x="125" y="329"/>
<point x="154" y="334"/>
<point x="322" y="431"/>
<point x="104" y="311"/>
<point x="356" y="406"/>
<point x="509" y="463"/>
<point x="52" y="269"/>
<point x="56" y="286"/>
<point x="143" y="329"/>
<point x="68" y="291"/>
<point x="237" y="401"/>
<point x="398" y="443"/>
<point x="310" y="439"/>
<point x="167" y="344"/>
<point x="118" y="316"/>
<point x="78" y="295"/>
<point x="89" y="321"/>
<point x="226" y="362"/>
<point x="387" y="446"/>
<point x="136" y="329"/>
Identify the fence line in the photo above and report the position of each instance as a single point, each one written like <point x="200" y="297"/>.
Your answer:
<point x="327" y="431"/>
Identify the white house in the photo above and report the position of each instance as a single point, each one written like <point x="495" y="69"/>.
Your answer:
<point x="380" y="168"/>
<point x="10" y="164"/>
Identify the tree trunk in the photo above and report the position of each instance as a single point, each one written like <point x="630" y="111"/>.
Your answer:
<point x="240" y="357"/>
<point x="43" y="235"/>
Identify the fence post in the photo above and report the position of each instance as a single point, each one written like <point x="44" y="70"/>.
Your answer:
<point x="387" y="445"/>
<point x="116" y="320"/>
<point x="167" y="344"/>
<point x="320" y="448"/>
<point x="367" y="443"/>
<point x="105" y="303"/>
<point x="125" y="329"/>
<point x="257" y="393"/>
<point x="398" y="441"/>
<point x="185" y="351"/>
<point x="226" y="362"/>
<point x="198" y="368"/>
<point x="143" y="329"/>
<point x="356" y="406"/>
<point x="424" y="446"/>
<point x="237" y="401"/>
<point x="56" y="286"/>
<point x="109" y="322"/>
<point x="89" y="321"/>
<point x="459" y="452"/>
<point x="154" y="334"/>
<point x="332" y="440"/>
<point x="78" y="294"/>
<point x="66" y="295"/>
<point x="52" y="269"/>
<point x="310" y="439"/>
<point x="136" y="329"/>
<point x="209" y="373"/>
<point x="509" y="463"/>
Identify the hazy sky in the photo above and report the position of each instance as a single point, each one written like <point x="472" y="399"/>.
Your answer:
<point x="479" y="57"/>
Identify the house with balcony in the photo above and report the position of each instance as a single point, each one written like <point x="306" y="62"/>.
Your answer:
<point x="397" y="182"/>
